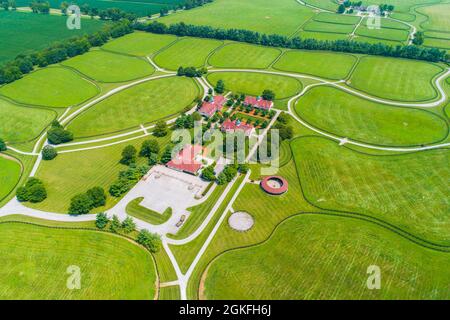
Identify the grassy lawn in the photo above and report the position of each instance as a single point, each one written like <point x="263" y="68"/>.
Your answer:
<point x="438" y="17"/>
<point x="104" y="66"/>
<point x="395" y="79"/>
<point x="323" y="64"/>
<point x="400" y="5"/>
<point x="408" y="190"/>
<point x="169" y="293"/>
<point x="21" y="123"/>
<point x="314" y="257"/>
<point x="52" y="87"/>
<point x="188" y="52"/>
<point x="140" y="43"/>
<point x="240" y="55"/>
<point x="266" y="16"/>
<point x="143" y="103"/>
<point x="323" y="36"/>
<point x="335" y="18"/>
<point x="136" y="210"/>
<point x="10" y="171"/>
<point x="349" y="116"/>
<point x="316" y="26"/>
<point x="35" y="261"/>
<point x="437" y="43"/>
<point x="256" y="83"/>
<point x="27" y="32"/>
<point x="383" y="33"/>
<point x="73" y="173"/>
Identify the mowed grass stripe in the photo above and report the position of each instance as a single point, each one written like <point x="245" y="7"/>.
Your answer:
<point x="140" y="43"/>
<point x="52" y="87"/>
<point x="396" y="79"/>
<point x="110" y="67"/>
<point x="349" y="116"/>
<point x="240" y="55"/>
<point x="313" y="257"/>
<point x="21" y="123"/>
<point x="10" y="172"/>
<point x="323" y="64"/>
<point x="35" y="261"/>
<point x="187" y="52"/>
<point x="141" y="104"/>
<point x="409" y="191"/>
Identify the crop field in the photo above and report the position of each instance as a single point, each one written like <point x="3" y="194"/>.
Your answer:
<point x="20" y="124"/>
<point x="139" y="7"/>
<point x="313" y="257"/>
<point x="51" y="87"/>
<point x="407" y="190"/>
<point x="10" y="171"/>
<point x="188" y="52"/>
<point x="438" y="17"/>
<point x="395" y="79"/>
<point x="26" y="32"/>
<point x="256" y="83"/>
<point x="255" y="15"/>
<point x="345" y="115"/>
<point x="143" y="103"/>
<point x="140" y="43"/>
<point x="110" y="67"/>
<point x="239" y="55"/>
<point x="323" y="64"/>
<point x="35" y="262"/>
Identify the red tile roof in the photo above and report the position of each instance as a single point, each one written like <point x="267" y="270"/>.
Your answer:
<point x="258" y="102"/>
<point x="209" y="108"/>
<point x="231" y="126"/>
<point x="185" y="159"/>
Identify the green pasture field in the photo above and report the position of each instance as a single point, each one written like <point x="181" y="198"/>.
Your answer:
<point x="438" y="17"/>
<point x="136" y="210"/>
<point x="316" y="26"/>
<point x="313" y="257"/>
<point x="400" y="5"/>
<point x="169" y="293"/>
<point x="104" y="66"/>
<point x="240" y="55"/>
<point x="323" y="35"/>
<point x="258" y="15"/>
<point x="51" y="87"/>
<point x="139" y="43"/>
<point x="392" y="24"/>
<point x="26" y="32"/>
<point x="345" y="115"/>
<point x="437" y="43"/>
<point x="376" y="41"/>
<point x="256" y="83"/>
<point x="403" y="16"/>
<point x="140" y="104"/>
<point x="406" y="190"/>
<point x="336" y="18"/>
<point x="395" y="79"/>
<point x="21" y="123"/>
<point x="10" y="172"/>
<point x="318" y="63"/>
<point x="36" y="259"/>
<point x="72" y="173"/>
<point x="187" y="52"/>
<point x="437" y="35"/>
<point x="383" y="33"/>
<point x="140" y="7"/>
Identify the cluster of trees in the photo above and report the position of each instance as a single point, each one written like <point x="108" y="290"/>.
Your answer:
<point x="127" y="179"/>
<point x="418" y="38"/>
<point x="275" y="40"/>
<point x="151" y="241"/>
<point x="220" y="87"/>
<point x="208" y="173"/>
<point x="191" y="72"/>
<point x="33" y="191"/>
<point x="129" y="155"/>
<point x="61" y="51"/>
<point x="6" y="4"/>
<point x="160" y="129"/>
<point x="150" y="149"/>
<point x="285" y="130"/>
<point x="57" y="134"/>
<point x="49" y="153"/>
<point x="186" y="121"/>
<point x="83" y="203"/>
<point x="40" y="7"/>
<point x="3" y="146"/>
<point x="268" y="95"/>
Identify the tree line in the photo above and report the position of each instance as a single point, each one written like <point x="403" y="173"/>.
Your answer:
<point x="274" y="40"/>
<point x="60" y="51"/>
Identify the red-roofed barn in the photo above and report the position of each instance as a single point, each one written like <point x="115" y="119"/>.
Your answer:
<point x="209" y="108"/>
<point x="258" y="102"/>
<point x="186" y="161"/>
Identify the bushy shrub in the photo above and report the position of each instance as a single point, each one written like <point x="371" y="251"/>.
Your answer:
<point x="128" y="155"/>
<point x="34" y="191"/>
<point x="101" y="220"/>
<point x="80" y="204"/>
<point x="49" y="153"/>
<point x="2" y="145"/>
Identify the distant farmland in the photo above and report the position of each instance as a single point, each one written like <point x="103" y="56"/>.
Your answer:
<point x="25" y="32"/>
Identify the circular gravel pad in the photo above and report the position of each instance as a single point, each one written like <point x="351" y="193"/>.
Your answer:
<point x="241" y="221"/>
